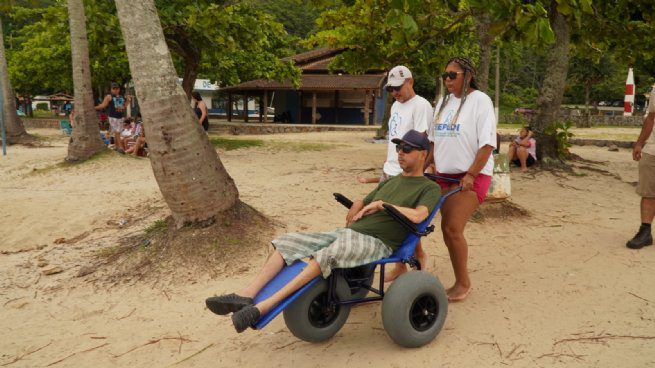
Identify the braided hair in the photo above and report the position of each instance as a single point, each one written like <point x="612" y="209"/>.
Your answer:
<point x="469" y="70"/>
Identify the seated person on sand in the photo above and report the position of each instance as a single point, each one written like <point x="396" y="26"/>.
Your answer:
<point x="137" y="148"/>
<point x="127" y="133"/>
<point x="370" y="234"/>
<point x="523" y="150"/>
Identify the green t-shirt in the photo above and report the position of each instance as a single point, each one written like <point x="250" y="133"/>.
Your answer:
<point x="402" y="191"/>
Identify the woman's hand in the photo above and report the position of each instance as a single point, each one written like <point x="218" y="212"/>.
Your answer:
<point x="467" y="182"/>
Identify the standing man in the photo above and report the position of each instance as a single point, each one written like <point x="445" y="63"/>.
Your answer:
<point x="409" y="111"/>
<point x="116" y="103"/>
<point x="646" y="187"/>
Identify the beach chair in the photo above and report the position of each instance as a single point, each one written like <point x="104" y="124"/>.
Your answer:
<point x="414" y="306"/>
<point x="65" y="127"/>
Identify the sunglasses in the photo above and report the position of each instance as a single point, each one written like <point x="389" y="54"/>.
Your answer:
<point x="394" y="89"/>
<point x="451" y="75"/>
<point x="406" y="148"/>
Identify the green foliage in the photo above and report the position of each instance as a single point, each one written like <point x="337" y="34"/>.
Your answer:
<point x="562" y="134"/>
<point x="232" y="144"/>
<point x="42" y="106"/>
<point x="231" y="42"/>
<point x="157" y="227"/>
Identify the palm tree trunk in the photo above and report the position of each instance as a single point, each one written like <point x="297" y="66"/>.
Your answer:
<point x="552" y="90"/>
<point x="482" y="23"/>
<point x="191" y="177"/>
<point x="15" y="130"/>
<point x="85" y="140"/>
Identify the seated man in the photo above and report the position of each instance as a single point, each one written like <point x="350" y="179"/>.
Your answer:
<point x="370" y="234"/>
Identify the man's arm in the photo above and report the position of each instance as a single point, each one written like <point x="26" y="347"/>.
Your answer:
<point x="104" y="103"/>
<point x="415" y="215"/>
<point x="354" y="209"/>
<point x="646" y="130"/>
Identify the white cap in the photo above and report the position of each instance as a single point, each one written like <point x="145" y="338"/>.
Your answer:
<point x="398" y="75"/>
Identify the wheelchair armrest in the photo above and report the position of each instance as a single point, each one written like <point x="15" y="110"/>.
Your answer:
<point x="343" y="200"/>
<point x="402" y="219"/>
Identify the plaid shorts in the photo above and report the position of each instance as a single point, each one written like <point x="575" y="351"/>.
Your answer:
<point x="341" y="248"/>
<point x="116" y="124"/>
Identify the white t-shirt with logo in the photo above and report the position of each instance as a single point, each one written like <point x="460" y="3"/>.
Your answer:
<point x="455" y="146"/>
<point x="649" y="147"/>
<point x="413" y="114"/>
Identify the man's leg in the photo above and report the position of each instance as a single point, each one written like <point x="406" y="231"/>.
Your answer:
<point x="273" y="266"/>
<point x="306" y="275"/>
<point x="647" y="210"/>
<point x="228" y="303"/>
<point x="646" y="189"/>
<point x="455" y="213"/>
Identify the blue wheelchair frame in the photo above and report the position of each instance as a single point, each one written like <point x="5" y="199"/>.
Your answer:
<point x="404" y="253"/>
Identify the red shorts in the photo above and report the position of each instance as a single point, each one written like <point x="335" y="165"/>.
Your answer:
<point x="480" y="184"/>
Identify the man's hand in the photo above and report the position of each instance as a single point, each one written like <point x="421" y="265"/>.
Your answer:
<point x="636" y="152"/>
<point x="354" y="209"/>
<point x="369" y="209"/>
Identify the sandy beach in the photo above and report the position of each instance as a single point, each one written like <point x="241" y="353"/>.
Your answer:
<point x="557" y="288"/>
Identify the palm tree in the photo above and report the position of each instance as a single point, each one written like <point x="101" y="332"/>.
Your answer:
<point x="85" y="140"/>
<point x="190" y="175"/>
<point x="15" y="130"/>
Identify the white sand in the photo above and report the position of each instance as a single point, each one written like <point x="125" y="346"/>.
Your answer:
<point x="563" y="273"/>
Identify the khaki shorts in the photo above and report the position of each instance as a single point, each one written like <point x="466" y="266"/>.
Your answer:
<point x="646" y="186"/>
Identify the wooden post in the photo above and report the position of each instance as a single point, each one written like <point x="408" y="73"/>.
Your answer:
<point x="245" y="107"/>
<point x="261" y="109"/>
<point x="313" y="107"/>
<point x="336" y="107"/>
<point x="299" y="107"/>
<point x="230" y="102"/>
<point x="374" y="103"/>
<point x="366" y="106"/>
<point x="265" y="106"/>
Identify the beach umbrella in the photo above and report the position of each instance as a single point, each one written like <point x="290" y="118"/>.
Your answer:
<point x="629" y="101"/>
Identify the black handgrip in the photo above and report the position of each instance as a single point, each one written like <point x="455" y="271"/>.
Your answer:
<point x="343" y="200"/>
<point x="402" y="219"/>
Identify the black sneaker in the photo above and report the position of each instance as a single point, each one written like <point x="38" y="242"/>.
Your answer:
<point x="229" y="303"/>
<point x="641" y="239"/>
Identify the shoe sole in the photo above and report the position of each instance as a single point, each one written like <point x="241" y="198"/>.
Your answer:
<point x="637" y="246"/>
<point x="222" y="308"/>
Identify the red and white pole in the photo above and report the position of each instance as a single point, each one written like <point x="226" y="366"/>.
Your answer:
<point x="629" y="101"/>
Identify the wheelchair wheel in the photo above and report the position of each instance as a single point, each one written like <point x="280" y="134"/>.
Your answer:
<point x="312" y="318"/>
<point x="362" y="275"/>
<point x="414" y="309"/>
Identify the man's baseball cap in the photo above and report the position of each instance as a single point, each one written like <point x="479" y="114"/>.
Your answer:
<point x="115" y="85"/>
<point x="397" y="76"/>
<point x="414" y="139"/>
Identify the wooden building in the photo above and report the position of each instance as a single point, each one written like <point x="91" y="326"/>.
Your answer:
<point x="322" y="98"/>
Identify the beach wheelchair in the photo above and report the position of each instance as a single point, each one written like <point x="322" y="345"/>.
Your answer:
<point x="414" y="306"/>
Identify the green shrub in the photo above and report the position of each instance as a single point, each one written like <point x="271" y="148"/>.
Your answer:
<point x="42" y="106"/>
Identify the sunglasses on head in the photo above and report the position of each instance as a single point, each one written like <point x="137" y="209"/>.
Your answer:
<point x="406" y="148"/>
<point x="451" y="75"/>
<point x="394" y="88"/>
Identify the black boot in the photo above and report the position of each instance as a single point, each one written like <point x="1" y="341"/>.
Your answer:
<point x="642" y="238"/>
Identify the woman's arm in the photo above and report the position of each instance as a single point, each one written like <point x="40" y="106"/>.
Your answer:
<point x="481" y="159"/>
<point x="203" y="111"/>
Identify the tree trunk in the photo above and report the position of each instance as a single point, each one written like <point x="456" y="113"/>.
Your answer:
<point x="189" y="78"/>
<point x="85" y="140"/>
<point x="190" y="175"/>
<point x="482" y="23"/>
<point x="552" y="90"/>
<point x="13" y="124"/>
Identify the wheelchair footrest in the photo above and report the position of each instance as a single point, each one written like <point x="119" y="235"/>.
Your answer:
<point x="282" y="278"/>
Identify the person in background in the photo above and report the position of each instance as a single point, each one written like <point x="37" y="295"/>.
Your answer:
<point x="523" y="150"/>
<point x="644" y="152"/>
<point x="200" y="108"/>
<point x="116" y="104"/>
